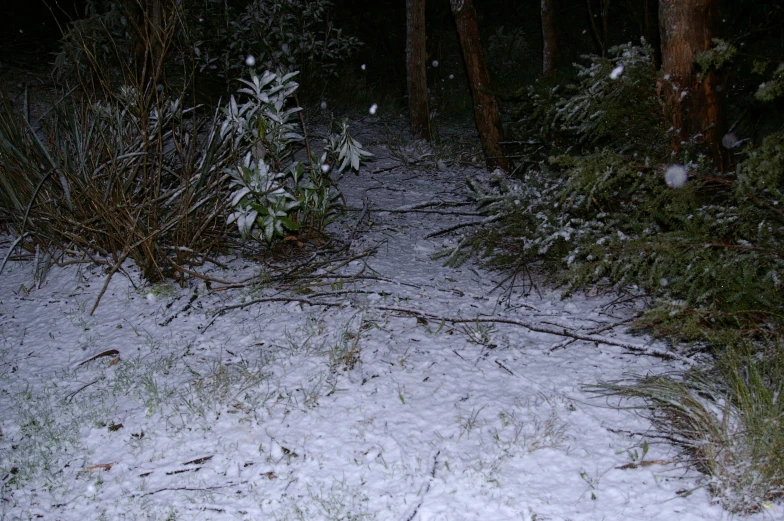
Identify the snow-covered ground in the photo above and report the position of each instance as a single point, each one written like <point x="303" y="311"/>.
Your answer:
<point x="349" y="396"/>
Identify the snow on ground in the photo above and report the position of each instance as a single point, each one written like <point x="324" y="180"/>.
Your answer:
<point x="370" y="408"/>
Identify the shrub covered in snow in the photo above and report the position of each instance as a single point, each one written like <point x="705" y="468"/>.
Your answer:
<point x="620" y="214"/>
<point x="612" y="102"/>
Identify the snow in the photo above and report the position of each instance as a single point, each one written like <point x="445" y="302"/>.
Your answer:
<point x="730" y="140"/>
<point x="616" y="72"/>
<point x="676" y="176"/>
<point x="346" y="396"/>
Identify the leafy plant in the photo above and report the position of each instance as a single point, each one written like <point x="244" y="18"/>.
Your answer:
<point x="344" y="149"/>
<point x="273" y="194"/>
<point x="278" y="34"/>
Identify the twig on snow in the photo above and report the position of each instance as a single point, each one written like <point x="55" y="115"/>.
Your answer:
<point x="427" y="488"/>
<point x="563" y="332"/>
<point x="453" y="228"/>
<point x="277" y="299"/>
<point x="502" y="366"/>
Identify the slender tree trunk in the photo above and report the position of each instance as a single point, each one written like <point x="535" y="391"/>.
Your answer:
<point x="693" y="102"/>
<point x="600" y="34"/>
<point x="549" y="38"/>
<point x="486" y="113"/>
<point x="418" y="111"/>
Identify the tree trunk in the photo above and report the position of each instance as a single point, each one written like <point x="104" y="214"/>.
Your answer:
<point x="486" y="113"/>
<point x="418" y="111"/>
<point x="693" y="102"/>
<point x="600" y="34"/>
<point x="549" y="38"/>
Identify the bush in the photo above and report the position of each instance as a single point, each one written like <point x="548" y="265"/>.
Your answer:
<point x="611" y="103"/>
<point x="115" y="179"/>
<point x="124" y="168"/>
<point x="280" y="34"/>
<point x="709" y="245"/>
<point x="117" y="39"/>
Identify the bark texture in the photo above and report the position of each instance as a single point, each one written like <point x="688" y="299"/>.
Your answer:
<point x="416" y="55"/>
<point x="486" y="113"/>
<point x="694" y="103"/>
<point x="549" y="38"/>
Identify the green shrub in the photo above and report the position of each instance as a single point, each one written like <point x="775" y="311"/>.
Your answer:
<point x="595" y="208"/>
<point x="611" y="103"/>
<point x="280" y="35"/>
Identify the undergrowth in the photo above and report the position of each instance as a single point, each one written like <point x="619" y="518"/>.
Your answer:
<point x="598" y="203"/>
<point x="126" y="166"/>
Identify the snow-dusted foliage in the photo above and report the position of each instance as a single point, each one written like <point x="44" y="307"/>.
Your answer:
<point x="274" y="195"/>
<point x="604" y="205"/>
<point x="346" y="150"/>
<point x="612" y="100"/>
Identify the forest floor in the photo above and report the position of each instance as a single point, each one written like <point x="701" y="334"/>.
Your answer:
<point x="382" y="386"/>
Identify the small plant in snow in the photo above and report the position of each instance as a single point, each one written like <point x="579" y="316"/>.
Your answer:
<point x="344" y="149"/>
<point x="272" y="194"/>
<point x="261" y="200"/>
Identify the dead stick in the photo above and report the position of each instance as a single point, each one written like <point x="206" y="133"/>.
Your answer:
<point x="277" y="299"/>
<point x="551" y="331"/>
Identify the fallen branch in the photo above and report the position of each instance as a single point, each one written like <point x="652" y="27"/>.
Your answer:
<point x="453" y="228"/>
<point x="562" y="332"/>
<point x="277" y="299"/>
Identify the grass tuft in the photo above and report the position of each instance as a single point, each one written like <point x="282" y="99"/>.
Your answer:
<point x="728" y="420"/>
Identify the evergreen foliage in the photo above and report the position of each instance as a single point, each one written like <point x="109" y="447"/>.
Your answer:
<point x="599" y="212"/>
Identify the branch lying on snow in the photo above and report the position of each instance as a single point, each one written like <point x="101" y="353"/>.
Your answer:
<point x="638" y="349"/>
<point x="488" y="220"/>
<point x="278" y="299"/>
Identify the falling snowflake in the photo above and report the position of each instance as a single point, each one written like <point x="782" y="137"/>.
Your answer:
<point x="451" y="76"/>
<point x="363" y="67"/>
<point x="325" y="168"/>
<point x="676" y="176"/>
<point x="616" y="72"/>
<point x="730" y="140"/>
<point x="323" y="105"/>
<point x="373" y="108"/>
<point x="250" y="61"/>
<point x="435" y="63"/>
